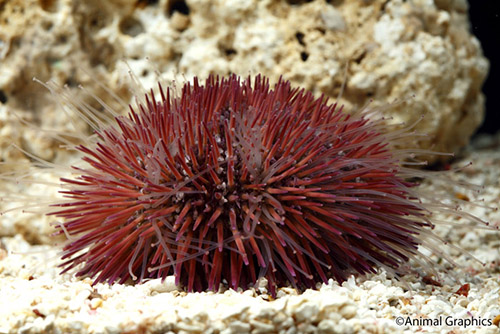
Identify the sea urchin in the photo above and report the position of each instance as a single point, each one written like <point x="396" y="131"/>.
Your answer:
<point x="232" y="181"/>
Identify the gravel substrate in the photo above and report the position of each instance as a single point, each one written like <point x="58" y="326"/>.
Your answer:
<point x="34" y="298"/>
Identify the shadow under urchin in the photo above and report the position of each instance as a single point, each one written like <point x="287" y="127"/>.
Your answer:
<point x="232" y="181"/>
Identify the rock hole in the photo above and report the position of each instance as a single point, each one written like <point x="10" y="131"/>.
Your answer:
<point x="230" y="53"/>
<point x="304" y="56"/>
<point x="97" y="20"/>
<point x="62" y="39"/>
<point x="382" y="9"/>
<point x="47" y="25"/>
<point x="298" y="2"/>
<point x="300" y="38"/>
<point x="444" y="4"/>
<point x="105" y="56"/>
<point x="360" y="57"/>
<point x="16" y="42"/>
<point x="322" y="31"/>
<point x="71" y="82"/>
<point x="177" y="6"/>
<point x="336" y="3"/>
<point x="144" y="3"/>
<point x="48" y="5"/>
<point x="130" y="26"/>
<point x="3" y="97"/>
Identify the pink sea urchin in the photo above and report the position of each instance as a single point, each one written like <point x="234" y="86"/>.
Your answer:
<point x="232" y="181"/>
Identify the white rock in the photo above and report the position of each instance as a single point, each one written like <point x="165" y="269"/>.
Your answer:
<point x="306" y="312"/>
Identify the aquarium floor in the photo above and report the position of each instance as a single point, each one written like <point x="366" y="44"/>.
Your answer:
<point x="34" y="298"/>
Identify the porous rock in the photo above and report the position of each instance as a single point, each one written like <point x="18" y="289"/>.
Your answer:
<point x="419" y="53"/>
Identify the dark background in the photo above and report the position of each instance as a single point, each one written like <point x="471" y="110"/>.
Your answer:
<point x="485" y="25"/>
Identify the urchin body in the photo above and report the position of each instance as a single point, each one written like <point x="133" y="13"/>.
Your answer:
<point x="232" y="181"/>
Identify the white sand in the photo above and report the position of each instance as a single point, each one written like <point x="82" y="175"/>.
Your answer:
<point x="34" y="298"/>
